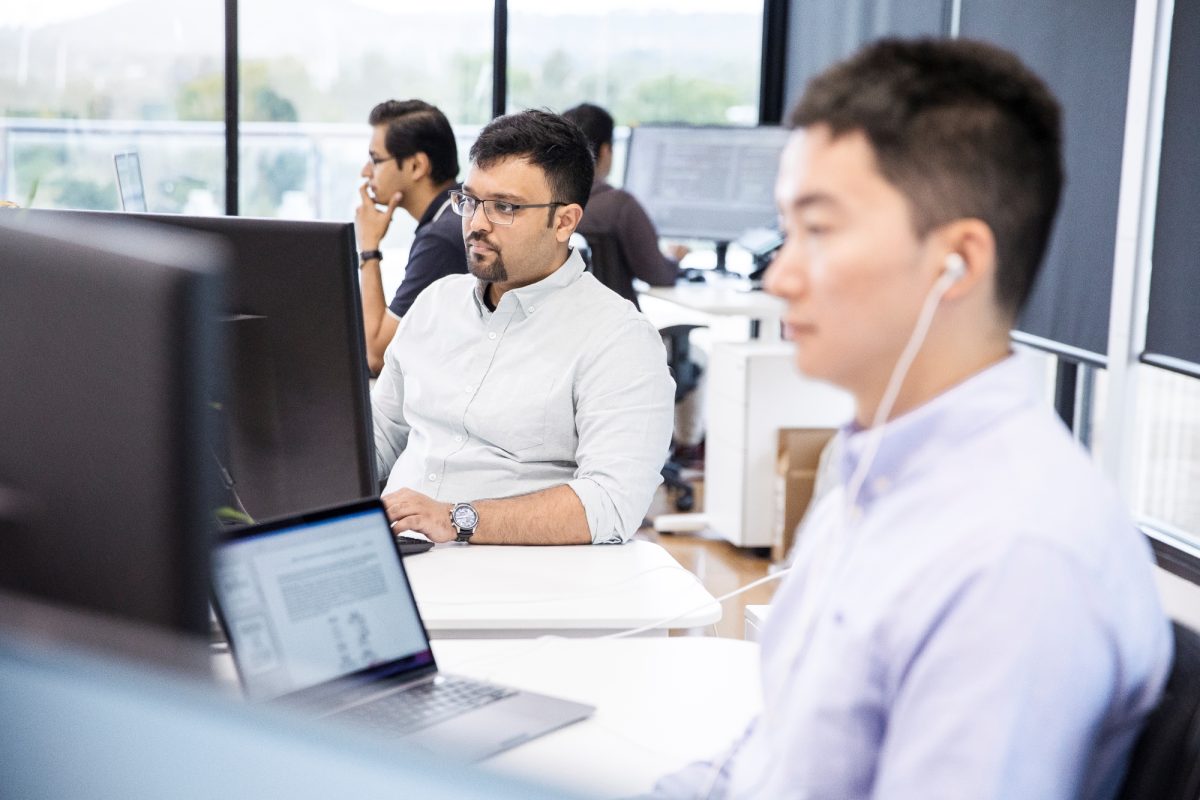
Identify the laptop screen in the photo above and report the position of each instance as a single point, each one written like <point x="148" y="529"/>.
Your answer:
<point x="312" y="600"/>
<point x="129" y="181"/>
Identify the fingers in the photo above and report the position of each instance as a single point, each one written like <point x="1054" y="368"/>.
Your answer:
<point x="410" y="510"/>
<point x="423" y="524"/>
<point x="412" y="522"/>
<point x="393" y="203"/>
<point x="362" y="192"/>
<point x="401" y="504"/>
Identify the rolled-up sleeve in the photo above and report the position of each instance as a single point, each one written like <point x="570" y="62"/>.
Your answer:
<point x="624" y="415"/>
<point x="387" y="411"/>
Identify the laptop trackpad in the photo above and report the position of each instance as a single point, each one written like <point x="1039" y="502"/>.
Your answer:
<point x="496" y="727"/>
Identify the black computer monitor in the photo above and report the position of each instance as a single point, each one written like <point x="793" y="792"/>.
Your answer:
<point x="108" y="349"/>
<point x="710" y="183"/>
<point x="296" y="411"/>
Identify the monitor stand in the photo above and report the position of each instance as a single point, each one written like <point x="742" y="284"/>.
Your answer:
<point x="722" y="249"/>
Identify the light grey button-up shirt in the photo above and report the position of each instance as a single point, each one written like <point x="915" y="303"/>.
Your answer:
<point x="981" y="625"/>
<point x="564" y="383"/>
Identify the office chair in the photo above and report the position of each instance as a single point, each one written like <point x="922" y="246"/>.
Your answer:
<point x="1166" y="761"/>
<point x="686" y="373"/>
<point x="604" y="261"/>
<point x="600" y="254"/>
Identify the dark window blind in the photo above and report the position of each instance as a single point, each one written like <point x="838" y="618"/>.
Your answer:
<point x="1173" y="325"/>
<point x="1081" y="48"/>
<point x="821" y="32"/>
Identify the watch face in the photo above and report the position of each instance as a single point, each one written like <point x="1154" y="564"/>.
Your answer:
<point x="465" y="517"/>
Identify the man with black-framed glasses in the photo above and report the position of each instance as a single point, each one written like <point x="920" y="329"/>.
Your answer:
<point x="412" y="164"/>
<point x="527" y="403"/>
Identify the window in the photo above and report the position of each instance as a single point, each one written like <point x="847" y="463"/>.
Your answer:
<point x="83" y="79"/>
<point x="308" y="82"/>
<point x="694" y="61"/>
<point x="1167" y="449"/>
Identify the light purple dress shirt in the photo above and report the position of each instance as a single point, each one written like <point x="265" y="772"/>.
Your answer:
<point x="982" y="624"/>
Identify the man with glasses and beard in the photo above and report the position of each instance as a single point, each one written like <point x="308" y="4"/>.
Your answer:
<point x="524" y="403"/>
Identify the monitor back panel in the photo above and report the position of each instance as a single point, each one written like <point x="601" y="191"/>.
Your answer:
<point x="109" y="349"/>
<point x="295" y="410"/>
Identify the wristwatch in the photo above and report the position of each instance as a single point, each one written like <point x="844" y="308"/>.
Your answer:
<point x="370" y="255"/>
<point x="464" y="518"/>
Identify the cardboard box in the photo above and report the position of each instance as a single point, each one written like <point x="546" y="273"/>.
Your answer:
<point x="796" y="466"/>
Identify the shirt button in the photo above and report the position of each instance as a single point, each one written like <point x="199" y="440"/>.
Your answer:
<point x="433" y="476"/>
<point x="492" y="335"/>
<point x="458" y="438"/>
<point x="468" y="389"/>
<point x="531" y="309"/>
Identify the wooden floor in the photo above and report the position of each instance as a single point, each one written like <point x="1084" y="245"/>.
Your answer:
<point x="721" y="567"/>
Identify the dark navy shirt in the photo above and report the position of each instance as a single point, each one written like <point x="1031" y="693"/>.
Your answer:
<point x="437" y="251"/>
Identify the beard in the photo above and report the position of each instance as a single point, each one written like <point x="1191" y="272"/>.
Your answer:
<point x="487" y="267"/>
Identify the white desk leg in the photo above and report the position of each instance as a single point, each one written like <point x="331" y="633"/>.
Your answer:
<point x="680" y="523"/>
<point x="756" y="618"/>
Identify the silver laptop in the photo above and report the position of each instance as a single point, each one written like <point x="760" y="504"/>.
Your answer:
<point x="129" y="181"/>
<point x="319" y="613"/>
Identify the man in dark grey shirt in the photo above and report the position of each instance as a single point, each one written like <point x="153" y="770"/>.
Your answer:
<point x="412" y="164"/>
<point x="616" y="226"/>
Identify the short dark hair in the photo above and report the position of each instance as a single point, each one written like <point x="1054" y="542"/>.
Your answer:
<point x="962" y="129"/>
<point x="545" y="140"/>
<point x="596" y="124"/>
<point x="414" y="126"/>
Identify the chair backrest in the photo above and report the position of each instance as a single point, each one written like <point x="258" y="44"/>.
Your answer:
<point x="605" y="262"/>
<point x="1166" y="762"/>
<point x="684" y="370"/>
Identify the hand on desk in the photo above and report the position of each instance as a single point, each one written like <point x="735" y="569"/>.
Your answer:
<point x="371" y="224"/>
<point x="413" y="511"/>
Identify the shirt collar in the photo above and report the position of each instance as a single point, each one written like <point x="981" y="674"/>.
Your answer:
<point x="938" y="426"/>
<point x="529" y="298"/>
<point x="435" y="207"/>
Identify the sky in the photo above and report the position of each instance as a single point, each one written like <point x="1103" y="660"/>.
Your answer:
<point x="23" y="13"/>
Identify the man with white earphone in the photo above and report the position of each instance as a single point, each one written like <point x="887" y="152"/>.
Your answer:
<point x="970" y="612"/>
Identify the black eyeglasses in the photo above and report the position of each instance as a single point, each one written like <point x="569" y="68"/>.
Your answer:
<point x="377" y="161"/>
<point x="499" y="212"/>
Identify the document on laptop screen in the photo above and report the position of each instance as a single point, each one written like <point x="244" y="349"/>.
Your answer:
<point x="308" y="604"/>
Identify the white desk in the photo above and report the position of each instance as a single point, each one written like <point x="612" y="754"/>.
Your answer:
<point x="661" y="704"/>
<point x="494" y="592"/>
<point x="726" y="297"/>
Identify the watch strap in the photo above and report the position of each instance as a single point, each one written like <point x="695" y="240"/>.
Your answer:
<point x="370" y="255"/>
<point x="463" y="534"/>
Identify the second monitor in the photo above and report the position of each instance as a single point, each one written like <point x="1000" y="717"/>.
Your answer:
<point x="709" y="183"/>
<point x="296" y="411"/>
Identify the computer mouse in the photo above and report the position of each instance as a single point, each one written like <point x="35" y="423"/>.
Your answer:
<point x="411" y="545"/>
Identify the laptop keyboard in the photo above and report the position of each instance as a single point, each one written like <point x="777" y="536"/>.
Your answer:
<point x="425" y="704"/>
